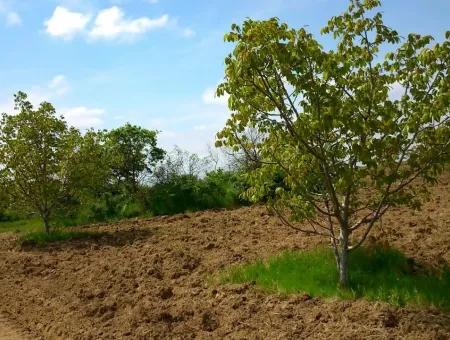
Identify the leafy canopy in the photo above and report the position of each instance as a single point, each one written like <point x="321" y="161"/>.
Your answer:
<point x="133" y="153"/>
<point x="35" y="152"/>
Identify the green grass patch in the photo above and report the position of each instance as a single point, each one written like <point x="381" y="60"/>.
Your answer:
<point x="376" y="274"/>
<point x="21" y="226"/>
<point x="41" y="239"/>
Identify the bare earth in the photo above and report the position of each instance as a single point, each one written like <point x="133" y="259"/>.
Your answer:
<point x="7" y="332"/>
<point x="150" y="279"/>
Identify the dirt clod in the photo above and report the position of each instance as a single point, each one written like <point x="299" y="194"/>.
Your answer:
<point x="166" y="317"/>
<point x="209" y="322"/>
<point x="389" y="319"/>
<point x="166" y="293"/>
<point x="191" y="263"/>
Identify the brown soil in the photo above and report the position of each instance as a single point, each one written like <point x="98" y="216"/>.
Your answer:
<point x="7" y="332"/>
<point x="148" y="279"/>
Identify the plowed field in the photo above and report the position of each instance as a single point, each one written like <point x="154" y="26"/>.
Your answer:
<point x="149" y="279"/>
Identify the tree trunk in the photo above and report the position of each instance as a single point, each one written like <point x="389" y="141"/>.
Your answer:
<point x="46" y="219"/>
<point x="343" y="269"/>
<point x="343" y="258"/>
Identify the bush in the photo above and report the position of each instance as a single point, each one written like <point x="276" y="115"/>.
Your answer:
<point x="181" y="193"/>
<point x="106" y="207"/>
<point x="178" y="195"/>
<point x="9" y="216"/>
<point x="6" y="215"/>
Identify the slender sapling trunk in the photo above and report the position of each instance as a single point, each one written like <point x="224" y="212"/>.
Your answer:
<point x="341" y="253"/>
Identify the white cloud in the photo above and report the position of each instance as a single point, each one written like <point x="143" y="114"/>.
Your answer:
<point x="65" y="23"/>
<point x="13" y="19"/>
<point x="83" y="117"/>
<point x="188" y="32"/>
<point x="185" y="32"/>
<point x="111" y="23"/>
<point x="59" y="85"/>
<point x="209" y="97"/>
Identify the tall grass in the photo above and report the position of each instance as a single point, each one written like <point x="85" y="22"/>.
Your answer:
<point x="375" y="274"/>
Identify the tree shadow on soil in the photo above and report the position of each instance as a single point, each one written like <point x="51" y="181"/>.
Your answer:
<point x="63" y="240"/>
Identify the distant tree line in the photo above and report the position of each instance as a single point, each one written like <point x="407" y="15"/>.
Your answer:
<point x="66" y="177"/>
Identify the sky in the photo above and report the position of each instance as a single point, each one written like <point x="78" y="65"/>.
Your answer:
<point x="153" y="63"/>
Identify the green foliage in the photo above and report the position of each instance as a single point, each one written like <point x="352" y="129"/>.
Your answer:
<point x="184" y="182"/>
<point x="347" y="148"/>
<point x="8" y="216"/>
<point x="4" y="215"/>
<point x="108" y="206"/>
<point x="69" y="178"/>
<point x="174" y="196"/>
<point x="245" y="155"/>
<point x="90" y="164"/>
<point x="189" y="193"/>
<point x="224" y="189"/>
<point x="41" y="239"/>
<point x="132" y="154"/>
<point x="21" y="225"/>
<point x="4" y="198"/>
<point x="132" y="209"/>
<point x="35" y="149"/>
<point x="377" y="274"/>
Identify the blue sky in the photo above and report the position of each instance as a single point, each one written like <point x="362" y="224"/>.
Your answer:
<point x="154" y="63"/>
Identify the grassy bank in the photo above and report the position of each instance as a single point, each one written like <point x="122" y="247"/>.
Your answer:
<point x="375" y="274"/>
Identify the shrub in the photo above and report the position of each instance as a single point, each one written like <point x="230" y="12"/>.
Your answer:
<point x="219" y="189"/>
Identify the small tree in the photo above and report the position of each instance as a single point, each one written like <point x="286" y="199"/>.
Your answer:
<point x="133" y="154"/>
<point x="347" y="149"/>
<point x="35" y="149"/>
